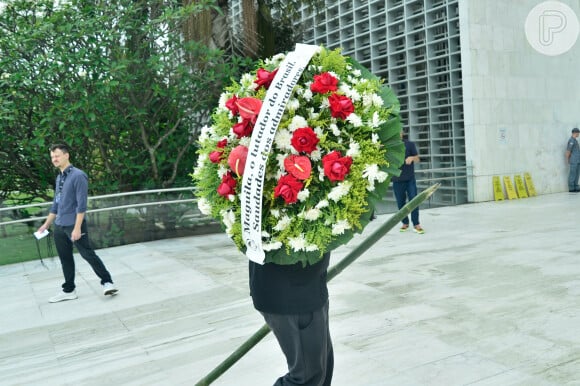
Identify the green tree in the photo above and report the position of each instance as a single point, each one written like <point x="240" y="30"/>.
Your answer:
<point x="113" y="78"/>
<point x="265" y="28"/>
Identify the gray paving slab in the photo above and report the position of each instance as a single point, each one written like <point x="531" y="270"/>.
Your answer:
<point x="488" y="296"/>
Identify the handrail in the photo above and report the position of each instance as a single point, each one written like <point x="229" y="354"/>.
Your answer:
<point x="30" y="219"/>
<point x="138" y="192"/>
<point x="128" y="206"/>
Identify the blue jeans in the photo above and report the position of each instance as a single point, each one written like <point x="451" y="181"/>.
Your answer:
<point x="573" y="177"/>
<point x="64" y="247"/>
<point x="305" y="341"/>
<point x="405" y="191"/>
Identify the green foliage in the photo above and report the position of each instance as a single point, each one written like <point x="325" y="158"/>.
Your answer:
<point x="115" y="80"/>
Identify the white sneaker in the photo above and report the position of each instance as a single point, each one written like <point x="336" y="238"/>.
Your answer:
<point x="109" y="289"/>
<point x="62" y="296"/>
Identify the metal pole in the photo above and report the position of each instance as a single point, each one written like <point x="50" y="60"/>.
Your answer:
<point x="332" y="272"/>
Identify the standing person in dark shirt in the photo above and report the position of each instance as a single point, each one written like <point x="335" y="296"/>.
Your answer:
<point x="573" y="159"/>
<point x="70" y="228"/>
<point x="405" y="186"/>
<point x="294" y="303"/>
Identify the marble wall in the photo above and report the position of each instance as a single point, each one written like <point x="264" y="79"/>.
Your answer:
<point x="520" y="105"/>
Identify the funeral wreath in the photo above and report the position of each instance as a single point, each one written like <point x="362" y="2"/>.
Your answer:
<point x="334" y="149"/>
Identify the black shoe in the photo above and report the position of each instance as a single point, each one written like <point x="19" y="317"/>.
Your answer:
<point x="574" y="191"/>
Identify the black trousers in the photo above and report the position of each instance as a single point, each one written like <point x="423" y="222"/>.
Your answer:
<point x="64" y="246"/>
<point x="305" y="341"/>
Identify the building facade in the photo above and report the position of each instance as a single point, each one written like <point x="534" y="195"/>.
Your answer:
<point x="477" y="99"/>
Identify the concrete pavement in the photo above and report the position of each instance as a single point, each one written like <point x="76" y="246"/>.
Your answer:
<point x="489" y="295"/>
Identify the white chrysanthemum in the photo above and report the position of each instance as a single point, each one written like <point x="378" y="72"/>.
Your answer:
<point x="224" y="97"/>
<point x="311" y="247"/>
<point x="303" y="195"/>
<point x="200" y="165"/>
<point x="206" y="133"/>
<point x="280" y="160"/>
<point x="300" y="244"/>
<point x="356" y="73"/>
<point x="272" y="246"/>
<point x="335" y="130"/>
<point x="334" y="74"/>
<point x="5" y="75"/>
<point x="282" y="223"/>
<point x="313" y="115"/>
<point x="375" y="138"/>
<point x="222" y="170"/>
<point x="312" y="214"/>
<point x="375" y="120"/>
<point x="307" y="95"/>
<point x="297" y="122"/>
<point x="353" y="149"/>
<point x="355" y="120"/>
<point x="367" y="100"/>
<point x="339" y="191"/>
<point x="377" y="101"/>
<point x="321" y="175"/>
<point x="275" y="60"/>
<point x="293" y="104"/>
<point x="297" y="243"/>
<point x="322" y="204"/>
<point x="316" y="155"/>
<point x="247" y="81"/>
<point x="245" y="141"/>
<point x="204" y="206"/>
<point x="373" y="173"/>
<point x="282" y="140"/>
<point x="275" y="212"/>
<point x="324" y="104"/>
<point x="229" y="219"/>
<point x="265" y="234"/>
<point x="350" y="92"/>
<point x="340" y="227"/>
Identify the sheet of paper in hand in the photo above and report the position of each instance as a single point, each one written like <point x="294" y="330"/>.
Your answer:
<point x="41" y="235"/>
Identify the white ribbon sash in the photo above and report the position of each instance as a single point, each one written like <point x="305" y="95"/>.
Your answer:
<point x="261" y="141"/>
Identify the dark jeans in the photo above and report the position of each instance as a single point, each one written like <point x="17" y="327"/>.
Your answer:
<point x="405" y="191"/>
<point x="305" y="341"/>
<point x="573" y="176"/>
<point x="64" y="247"/>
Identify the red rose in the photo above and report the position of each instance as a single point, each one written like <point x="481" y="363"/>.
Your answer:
<point x="237" y="159"/>
<point x="249" y="108"/>
<point x="227" y="186"/>
<point x="215" y="156"/>
<point x="243" y="129"/>
<point x="298" y="165"/>
<point x="231" y="105"/>
<point x="223" y="143"/>
<point x="340" y="106"/>
<point x="304" y="139"/>
<point x="288" y="187"/>
<point x="324" y="83"/>
<point x="335" y="166"/>
<point x="265" y="78"/>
